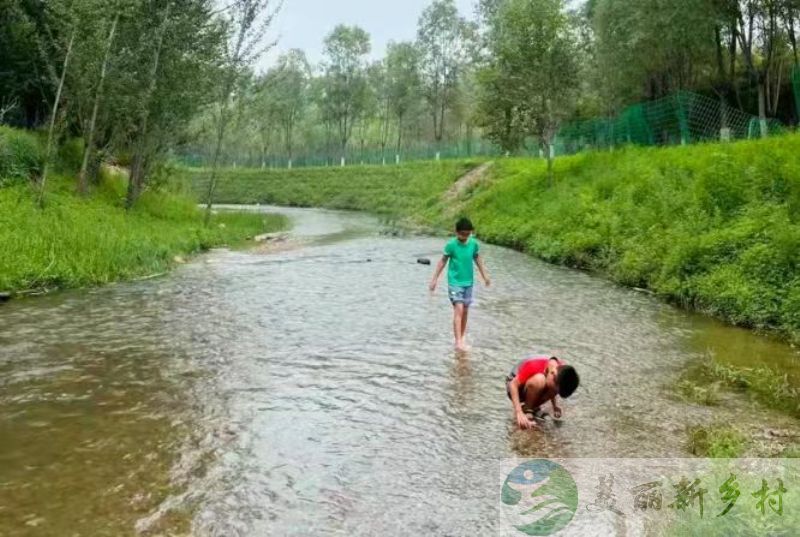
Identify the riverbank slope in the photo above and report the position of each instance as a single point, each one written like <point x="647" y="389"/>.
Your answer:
<point x="77" y="241"/>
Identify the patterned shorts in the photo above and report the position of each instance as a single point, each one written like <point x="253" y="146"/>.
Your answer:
<point x="460" y="295"/>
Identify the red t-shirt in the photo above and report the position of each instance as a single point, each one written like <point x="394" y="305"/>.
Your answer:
<point x="532" y="367"/>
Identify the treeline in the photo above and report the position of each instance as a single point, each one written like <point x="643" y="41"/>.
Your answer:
<point x="124" y="77"/>
<point x="139" y="79"/>
<point x="512" y="76"/>
<point x="420" y="92"/>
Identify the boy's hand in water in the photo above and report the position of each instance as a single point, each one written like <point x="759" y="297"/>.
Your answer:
<point x="557" y="412"/>
<point x="432" y="287"/>
<point x="524" y="422"/>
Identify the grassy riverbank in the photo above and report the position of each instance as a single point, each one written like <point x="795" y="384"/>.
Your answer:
<point x="715" y="228"/>
<point x="75" y="242"/>
<point x="412" y="189"/>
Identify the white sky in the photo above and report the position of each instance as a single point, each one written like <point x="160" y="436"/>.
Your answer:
<point x="304" y="24"/>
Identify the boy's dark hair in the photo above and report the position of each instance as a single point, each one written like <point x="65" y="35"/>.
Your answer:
<point x="464" y="224"/>
<point x="568" y="381"/>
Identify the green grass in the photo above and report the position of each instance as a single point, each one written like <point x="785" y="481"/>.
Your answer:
<point x="706" y="394"/>
<point x="702" y="383"/>
<point x="20" y="156"/>
<point x="718" y="441"/>
<point x="713" y="227"/>
<point x="410" y="190"/>
<point x="75" y="242"/>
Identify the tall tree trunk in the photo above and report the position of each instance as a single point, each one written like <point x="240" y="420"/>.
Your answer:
<point x="88" y="152"/>
<point x="399" y="136"/>
<point x="136" y="179"/>
<point x="222" y="125"/>
<point x="776" y="97"/>
<point x="51" y="131"/>
<point x="440" y="134"/>
<point x="290" y="144"/>
<point x="791" y="33"/>
<point x="212" y="183"/>
<point x="762" y="108"/>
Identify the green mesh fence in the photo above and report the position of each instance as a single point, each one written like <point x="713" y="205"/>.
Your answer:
<point x="354" y="155"/>
<point x="682" y="118"/>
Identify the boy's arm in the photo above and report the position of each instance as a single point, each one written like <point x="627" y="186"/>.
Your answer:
<point x="482" y="270"/>
<point x="522" y="419"/>
<point x="438" y="272"/>
<point x="556" y="409"/>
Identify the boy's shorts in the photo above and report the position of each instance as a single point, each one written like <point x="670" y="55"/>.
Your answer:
<point x="460" y="295"/>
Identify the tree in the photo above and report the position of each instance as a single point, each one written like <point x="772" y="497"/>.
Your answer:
<point x="345" y="79"/>
<point x="443" y="39"/>
<point x="60" y="14"/>
<point x="379" y="84"/>
<point x="533" y="69"/>
<point x="166" y="72"/>
<point x="403" y="82"/>
<point x="759" y="40"/>
<point x="248" y="23"/>
<point x="21" y="67"/>
<point x="651" y="48"/>
<point x="92" y="77"/>
<point x="287" y="93"/>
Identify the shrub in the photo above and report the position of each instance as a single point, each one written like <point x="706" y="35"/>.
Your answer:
<point x="20" y="156"/>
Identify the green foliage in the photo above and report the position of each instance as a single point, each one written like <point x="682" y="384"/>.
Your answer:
<point x="403" y="81"/>
<point x="702" y="383"/>
<point x="78" y="241"/>
<point x="678" y="36"/>
<point x="283" y="94"/>
<point x="443" y="41"/>
<point x="410" y="190"/>
<point x="718" y="441"/>
<point x="531" y="83"/>
<point x="346" y="88"/>
<point x="707" y="226"/>
<point x="70" y="156"/>
<point x="706" y="394"/>
<point x="20" y="156"/>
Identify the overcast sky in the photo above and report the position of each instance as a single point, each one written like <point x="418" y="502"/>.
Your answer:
<point x="304" y="24"/>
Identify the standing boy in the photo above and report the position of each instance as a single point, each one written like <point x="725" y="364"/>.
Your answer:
<point x="460" y="254"/>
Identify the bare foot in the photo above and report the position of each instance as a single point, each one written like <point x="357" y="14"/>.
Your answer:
<point x="463" y="347"/>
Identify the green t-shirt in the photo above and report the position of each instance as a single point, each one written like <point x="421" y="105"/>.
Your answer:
<point x="460" y="271"/>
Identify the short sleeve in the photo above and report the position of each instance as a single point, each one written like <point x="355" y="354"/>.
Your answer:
<point x="448" y="249"/>
<point x="477" y="249"/>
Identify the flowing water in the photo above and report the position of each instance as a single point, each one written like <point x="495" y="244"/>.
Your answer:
<point x="314" y="390"/>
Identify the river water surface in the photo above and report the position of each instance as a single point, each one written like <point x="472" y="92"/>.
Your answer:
<point x="314" y="390"/>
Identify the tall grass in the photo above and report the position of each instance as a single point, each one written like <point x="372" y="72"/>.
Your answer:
<point x="712" y="227"/>
<point x="78" y="241"/>
<point x="20" y="156"/>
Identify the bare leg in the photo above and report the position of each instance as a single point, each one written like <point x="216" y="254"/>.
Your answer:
<point x="464" y="318"/>
<point x="458" y="314"/>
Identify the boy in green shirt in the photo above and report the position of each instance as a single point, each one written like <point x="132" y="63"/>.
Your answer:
<point x="460" y="253"/>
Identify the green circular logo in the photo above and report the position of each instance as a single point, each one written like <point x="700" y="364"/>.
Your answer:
<point x="540" y="497"/>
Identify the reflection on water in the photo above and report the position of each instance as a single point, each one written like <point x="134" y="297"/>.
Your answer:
<point x="314" y="391"/>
